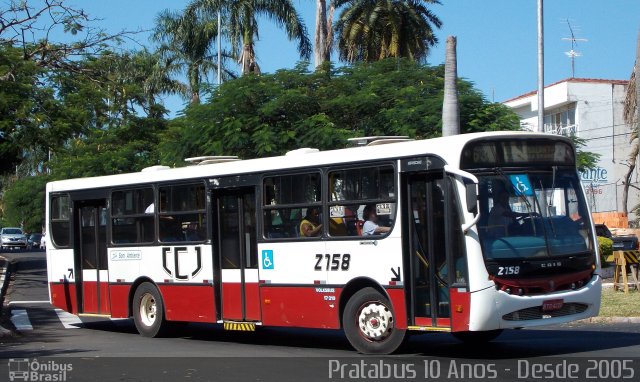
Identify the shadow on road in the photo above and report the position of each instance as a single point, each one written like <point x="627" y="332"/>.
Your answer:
<point x="511" y="344"/>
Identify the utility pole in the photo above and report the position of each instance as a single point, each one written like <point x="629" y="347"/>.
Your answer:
<point x="540" y="128"/>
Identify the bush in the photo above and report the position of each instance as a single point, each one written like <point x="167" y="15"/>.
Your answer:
<point x="606" y="249"/>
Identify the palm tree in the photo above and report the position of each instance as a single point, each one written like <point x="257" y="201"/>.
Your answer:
<point x="240" y="24"/>
<point x="450" y="107"/>
<point x="324" y="32"/>
<point x="371" y="30"/>
<point x="186" y="47"/>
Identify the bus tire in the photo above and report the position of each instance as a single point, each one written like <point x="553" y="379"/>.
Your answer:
<point x="369" y="323"/>
<point x="148" y="311"/>
<point x="477" y="337"/>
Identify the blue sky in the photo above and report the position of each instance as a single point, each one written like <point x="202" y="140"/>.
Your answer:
<point x="496" y="38"/>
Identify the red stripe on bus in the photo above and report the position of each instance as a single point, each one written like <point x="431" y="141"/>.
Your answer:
<point x="398" y="301"/>
<point x="252" y="301"/>
<point x="91" y="302"/>
<point x="194" y="303"/>
<point x="63" y="296"/>
<point x="105" y="306"/>
<point x="119" y="300"/>
<point x="303" y="307"/>
<point x="89" y="297"/>
<point x="232" y="301"/>
<point x="460" y="309"/>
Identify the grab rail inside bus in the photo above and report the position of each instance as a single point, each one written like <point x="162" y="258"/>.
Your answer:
<point x="471" y="194"/>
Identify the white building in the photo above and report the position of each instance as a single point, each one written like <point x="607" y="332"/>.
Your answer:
<point x="592" y="109"/>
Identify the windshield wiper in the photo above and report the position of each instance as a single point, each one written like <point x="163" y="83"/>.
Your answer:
<point x="499" y="171"/>
<point x="530" y="209"/>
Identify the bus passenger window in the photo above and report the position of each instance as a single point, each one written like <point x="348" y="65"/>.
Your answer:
<point x="60" y="220"/>
<point x="289" y="206"/>
<point x="130" y="222"/>
<point x="351" y="191"/>
<point x="182" y="215"/>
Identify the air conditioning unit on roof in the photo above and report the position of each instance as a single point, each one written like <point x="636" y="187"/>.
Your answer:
<point x="211" y="159"/>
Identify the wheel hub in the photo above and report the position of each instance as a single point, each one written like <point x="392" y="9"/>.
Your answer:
<point x="375" y="321"/>
<point x="148" y="309"/>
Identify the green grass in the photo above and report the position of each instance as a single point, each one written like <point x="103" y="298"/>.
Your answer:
<point x="619" y="304"/>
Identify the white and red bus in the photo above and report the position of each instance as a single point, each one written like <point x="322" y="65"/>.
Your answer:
<point x="483" y="232"/>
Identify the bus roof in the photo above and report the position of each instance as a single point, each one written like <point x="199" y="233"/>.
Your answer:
<point x="448" y="148"/>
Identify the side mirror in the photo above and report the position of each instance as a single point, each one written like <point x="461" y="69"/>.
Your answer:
<point x="472" y="197"/>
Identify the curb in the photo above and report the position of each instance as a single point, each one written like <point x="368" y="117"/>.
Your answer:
<point x="608" y="285"/>
<point x="4" y="283"/>
<point x="610" y="320"/>
<point x="4" y="279"/>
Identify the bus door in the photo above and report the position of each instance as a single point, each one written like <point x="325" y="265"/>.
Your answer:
<point x="426" y="249"/>
<point x="237" y="253"/>
<point x="91" y="257"/>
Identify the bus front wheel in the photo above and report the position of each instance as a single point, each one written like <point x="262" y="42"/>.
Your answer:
<point x="148" y="311"/>
<point x="369" y="323"/>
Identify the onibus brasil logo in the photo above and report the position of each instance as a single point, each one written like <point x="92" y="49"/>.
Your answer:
<point x="24" y="369"/>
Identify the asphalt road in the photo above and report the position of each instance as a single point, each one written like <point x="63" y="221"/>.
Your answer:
<point x="104" y="349"/>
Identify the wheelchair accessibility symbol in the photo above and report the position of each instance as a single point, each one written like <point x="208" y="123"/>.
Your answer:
<point x="521" y="184"/>
<point x="267" y="259"/>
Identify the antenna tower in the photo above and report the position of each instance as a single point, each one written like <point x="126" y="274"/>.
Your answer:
<point x="572" y="54"/>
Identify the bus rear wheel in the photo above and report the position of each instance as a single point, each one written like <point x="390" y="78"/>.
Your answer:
<point x="369" y="323"/>
<point x="148" y="311"/>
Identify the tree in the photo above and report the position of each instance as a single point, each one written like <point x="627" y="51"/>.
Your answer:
<point x="632" y="118"/>
<point x="186" y="47"/>
<point x="29" y="26"/>
<point x="258" y="116"/>
<point x="18" y="92"/>
<point x="241" y="25"/>
<point x="24" y="203"/>
<point x="324" y="32"/>
<point x="38" y="79"/>
<point x="113" y="118"/>
<point x="450" y="112"/>
<point x="371" y="30"/>
<point x="585" y="160"/>
<point x="117" y="150"/>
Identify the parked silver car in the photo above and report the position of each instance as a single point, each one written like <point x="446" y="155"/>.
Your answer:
<point x="12" y="237"/>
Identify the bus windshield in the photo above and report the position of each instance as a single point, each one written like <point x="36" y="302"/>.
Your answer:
<point x="533" y="214"/>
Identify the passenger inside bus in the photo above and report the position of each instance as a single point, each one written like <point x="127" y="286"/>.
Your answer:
<point x="170" y="230"/>
<point x="310" y="225"/>
<point x="371" y="226"/>
<point x="191" y="232"/>
<point x="502" y="216"/>
<point x="501" y="213"/>
<point x="337" y="226"/>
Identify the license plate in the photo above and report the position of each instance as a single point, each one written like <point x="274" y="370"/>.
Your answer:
<point x="551" y="305"/>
